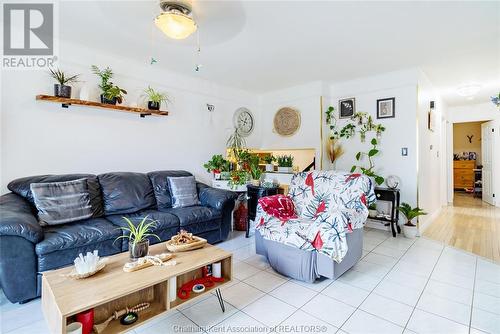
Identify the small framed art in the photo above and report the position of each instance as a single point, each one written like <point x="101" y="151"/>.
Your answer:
<point x="347" y="108"/>
<point x="386" y="108"/>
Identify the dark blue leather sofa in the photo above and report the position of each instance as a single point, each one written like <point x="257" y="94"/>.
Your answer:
<point x="27" y="249"/>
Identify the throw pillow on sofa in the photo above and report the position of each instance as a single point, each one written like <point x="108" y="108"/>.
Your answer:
<point x="62" y="202"/>
<point x="183" y="191"/>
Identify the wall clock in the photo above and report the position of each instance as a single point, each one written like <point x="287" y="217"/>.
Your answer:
<point x="243" y="120"/>
<point x="286" y="121"/>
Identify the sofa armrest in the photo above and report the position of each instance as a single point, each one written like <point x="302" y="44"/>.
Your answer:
<point x="215" y="198"/>
<point x="17" y="219"/>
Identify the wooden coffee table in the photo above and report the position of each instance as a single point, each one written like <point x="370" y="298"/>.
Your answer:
<point x="113" y="289"/>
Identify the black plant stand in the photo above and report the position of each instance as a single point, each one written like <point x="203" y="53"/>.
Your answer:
<point x="393" y="196"/>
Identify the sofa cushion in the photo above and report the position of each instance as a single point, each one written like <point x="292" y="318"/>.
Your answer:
<point x="125" y="192"/>
<point x="159" y="179"/>
<point x="166" y="225"/>
<point x="62" y="202"/>
<point x="21" y="187"/>
<point x="62" y="243"/>
<point x="197" y="219"/>
<point x="183" y="191"/>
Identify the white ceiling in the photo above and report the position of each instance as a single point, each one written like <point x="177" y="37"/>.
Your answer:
<point x="264" y="45"/>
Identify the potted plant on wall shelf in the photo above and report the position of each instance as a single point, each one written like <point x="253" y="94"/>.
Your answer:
<point x="285" y="164"/>
<point x="138" y="244"/>
<point x="409" y="229"/>
<point x="155" y="98"/>
<point x="269" y="159"/>
<point x="216" y="166"/>
<point x="62" y="89"/>
<point x="110" y="93"/>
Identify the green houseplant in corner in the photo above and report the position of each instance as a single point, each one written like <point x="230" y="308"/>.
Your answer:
<point x="138" y="242"/>
<point x="410" y="229"/>
<point x="110" y="93"/>
<point x="62" y="89"/>
<point x="155" y="98"/>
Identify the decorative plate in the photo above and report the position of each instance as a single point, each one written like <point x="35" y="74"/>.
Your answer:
<point x="286" y="121"/>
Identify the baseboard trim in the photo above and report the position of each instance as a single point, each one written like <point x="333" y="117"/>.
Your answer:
<point x="422" y="226"/>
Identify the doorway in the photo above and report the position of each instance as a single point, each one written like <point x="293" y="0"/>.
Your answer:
<point x="469" y="151"/>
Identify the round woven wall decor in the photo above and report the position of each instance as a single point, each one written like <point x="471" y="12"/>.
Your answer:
<point x="286" y="121"/>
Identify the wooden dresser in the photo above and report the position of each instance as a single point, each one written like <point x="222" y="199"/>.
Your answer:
<point x="463" y="173"/>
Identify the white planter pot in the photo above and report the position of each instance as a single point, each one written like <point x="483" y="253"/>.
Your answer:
<point x="217" y="176"/>
<point x="410" y="232"/>
<point x="372" y="213"/>
<point x="285" y="169"/>
<point x="269" y="168"/>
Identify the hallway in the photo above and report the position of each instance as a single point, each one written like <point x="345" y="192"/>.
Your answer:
<point x="469" y="224"/>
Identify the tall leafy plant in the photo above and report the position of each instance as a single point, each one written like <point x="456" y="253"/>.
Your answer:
<point x="108" y="89"/>
<point x="236" y="143"/>
<point x="369" y="171"/>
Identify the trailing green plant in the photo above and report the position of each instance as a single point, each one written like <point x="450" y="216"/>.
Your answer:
<point x="108" y="89"/>
<point x="285" y="161"/>
<point x="61" y="77"/>
<point x="156" y="96"/>
<point x="236" y="143"/>
<point x="238" y="178"/>
<point x="269" y="159"/>
<point x="369" y="171"/>
<point x="139" y="233"/>
<point x="410" y="213"/>
<point x="217" y="163"/>
<point x="329" y="114"/>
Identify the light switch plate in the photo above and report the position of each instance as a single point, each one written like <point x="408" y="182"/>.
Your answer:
<point x="404" y="151"/>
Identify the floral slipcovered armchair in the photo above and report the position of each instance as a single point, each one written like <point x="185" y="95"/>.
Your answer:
<point x="320" y="209"/>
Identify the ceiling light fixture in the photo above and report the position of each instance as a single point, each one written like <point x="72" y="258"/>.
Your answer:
<point x="176" y="20"/>
<point x="469" y="90"/>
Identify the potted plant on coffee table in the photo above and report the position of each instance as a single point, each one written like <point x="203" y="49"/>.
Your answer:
<point x="62" y="89"/>
<point x="110" y="93"/>
<point x="269" y="159"/>
<point x="410" y="229"/>
<point x="155" y="98"/>
<point x="138" y="242"/>
<point x="285" y="164"/>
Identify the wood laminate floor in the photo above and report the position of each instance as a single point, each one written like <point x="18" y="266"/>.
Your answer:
<point x="469" y="224"/>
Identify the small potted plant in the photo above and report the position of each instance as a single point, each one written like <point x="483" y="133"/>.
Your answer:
<point x="409" y="229"/>
<point x="138" y="244"/>
<point x="155" y="98"/>
<point x="285" y="164"/>
<point x="110" y="93"/>
<point x="372" y="210"/>
<point x="61" y="89"/>
<point x="216" y="166"/>
<point x="255" y="170"/>
<point x="269" y="159"/>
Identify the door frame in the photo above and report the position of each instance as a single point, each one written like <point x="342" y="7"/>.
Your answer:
<point x="495" y="158"/>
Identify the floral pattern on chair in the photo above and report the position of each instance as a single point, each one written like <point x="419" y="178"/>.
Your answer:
<point x="328" y="205"/>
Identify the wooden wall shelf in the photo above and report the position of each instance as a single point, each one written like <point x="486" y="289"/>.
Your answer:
<point x="65" y="102"/>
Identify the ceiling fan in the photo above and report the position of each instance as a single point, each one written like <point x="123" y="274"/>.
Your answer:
<point x="176" y="21"/>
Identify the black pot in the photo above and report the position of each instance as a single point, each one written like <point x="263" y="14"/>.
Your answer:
<point x="105" y="100"/>
<point x="62" y="91"/>
<point x="153" y="105"/>
<point x="138" y="250"/>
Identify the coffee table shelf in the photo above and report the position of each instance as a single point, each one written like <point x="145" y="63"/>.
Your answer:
<point x="112" y="289"/>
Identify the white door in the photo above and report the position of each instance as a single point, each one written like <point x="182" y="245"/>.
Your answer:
<point x="487" y="140"/>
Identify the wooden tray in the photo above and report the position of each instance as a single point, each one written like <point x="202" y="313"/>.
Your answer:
<point x="134" y="266"/>
<point x="199" y="243"/>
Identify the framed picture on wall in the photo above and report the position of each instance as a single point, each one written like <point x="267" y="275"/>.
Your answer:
<point x="347" y="108"/>
<point x="386" y="108"/>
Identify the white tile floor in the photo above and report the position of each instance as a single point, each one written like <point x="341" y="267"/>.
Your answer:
<point x="400" y="286"/>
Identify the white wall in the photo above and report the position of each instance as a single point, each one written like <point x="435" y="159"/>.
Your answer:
<point x="40" y="137"/>
<point x="304" y="98"/>
<point x="431" y="165"/>
<point x="400" y="131"/>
